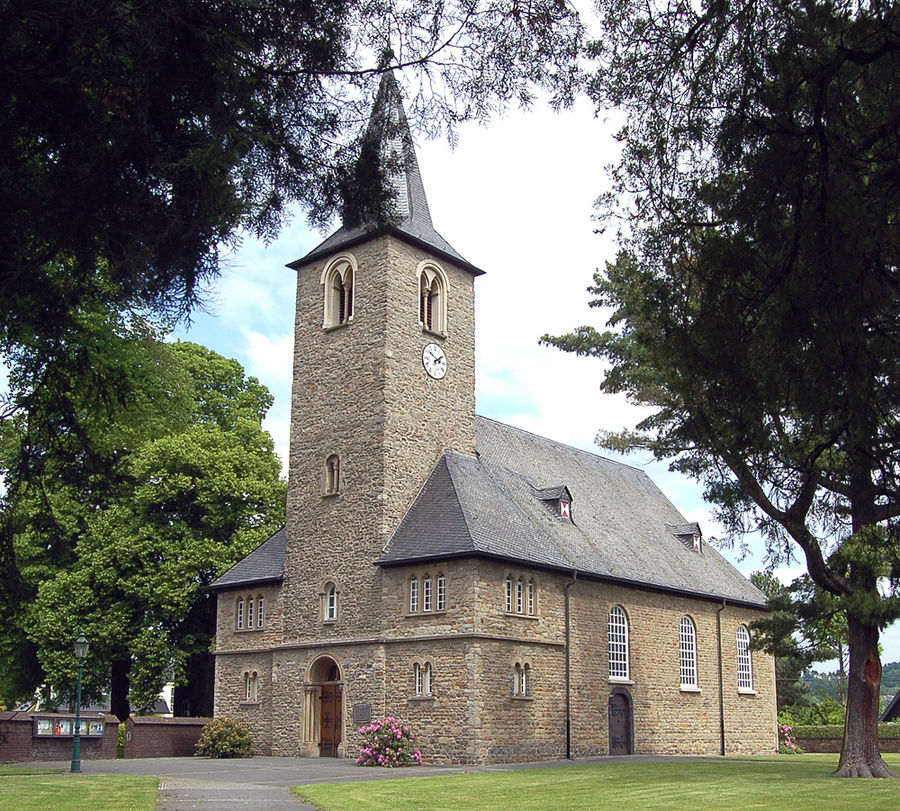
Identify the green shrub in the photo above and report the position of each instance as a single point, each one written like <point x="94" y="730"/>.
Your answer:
<point x="891" y="730"/>
<point x="225" y="737"/>
<point x="120" y="741"/>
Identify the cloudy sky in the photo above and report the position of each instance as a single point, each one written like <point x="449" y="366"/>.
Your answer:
<point x="515" y="198"/>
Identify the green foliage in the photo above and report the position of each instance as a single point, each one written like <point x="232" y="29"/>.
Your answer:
<point x="756" y="297"/>
<point x="120" y="516"/>
<point x="137" y="137"/>
<point x="225" y="738"/>
<point x="121" y="733"/>
<point x="887" y="731"/>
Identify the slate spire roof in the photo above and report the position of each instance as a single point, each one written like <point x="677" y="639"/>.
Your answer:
<point x="387" y="146"/>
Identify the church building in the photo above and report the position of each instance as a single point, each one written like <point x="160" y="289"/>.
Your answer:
<point x="509" y="597"/>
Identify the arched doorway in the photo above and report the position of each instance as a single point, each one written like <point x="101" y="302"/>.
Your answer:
<point x="323" y="709"/>
<point x="621" y="722"/>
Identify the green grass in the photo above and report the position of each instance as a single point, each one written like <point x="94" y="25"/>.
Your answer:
<point x="98" y="792"/>
<point x="784" y="782"/>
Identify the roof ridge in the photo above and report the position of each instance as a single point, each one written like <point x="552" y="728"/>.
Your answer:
<point x="566" y="445"/>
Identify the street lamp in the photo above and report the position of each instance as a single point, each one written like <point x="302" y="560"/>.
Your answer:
<point x="81" y="652"/>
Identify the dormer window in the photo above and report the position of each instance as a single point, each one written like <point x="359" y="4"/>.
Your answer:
<point x="558" y="499"/>
<point x="689" y="535"/>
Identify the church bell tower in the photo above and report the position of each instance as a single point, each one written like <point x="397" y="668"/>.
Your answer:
<point x="384" y="382"/>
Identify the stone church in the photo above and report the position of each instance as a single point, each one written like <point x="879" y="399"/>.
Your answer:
<point x="510" y="597"/>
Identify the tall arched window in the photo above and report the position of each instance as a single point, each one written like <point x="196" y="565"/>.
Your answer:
<point x="331" y="602"/>
<point x="688" y="634"/>
<point x="432" y="297"/>
<point x="744" y="660"/>
<point x="332" y="475"/>
<point x="618" y="643"/>
<point x="338" y="279"/>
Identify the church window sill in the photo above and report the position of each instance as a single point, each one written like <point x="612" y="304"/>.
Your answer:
<point x="418" y="615"/>
<point x="333" y="327"/>
<point x="521" y="698"/>
<point x="250" y="703"/>
<point x="744" y="691"/>
<point x="619" y="680"/>
<point x="420" y="699"/>
<point x="689" y="688"/>
<point x="435" y="333"/>
<point x="515" y="615"/>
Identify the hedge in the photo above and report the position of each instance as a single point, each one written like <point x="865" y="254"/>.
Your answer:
<point x="890" y="730"/>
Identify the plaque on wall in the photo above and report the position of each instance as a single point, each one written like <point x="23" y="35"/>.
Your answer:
<point x="362" y="713"/>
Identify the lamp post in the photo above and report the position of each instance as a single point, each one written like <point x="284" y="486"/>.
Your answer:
<point x="81" y="652"/>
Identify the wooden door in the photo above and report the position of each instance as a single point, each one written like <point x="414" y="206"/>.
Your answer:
<point x="619" y="725"/>
<point x="331" y="714"/>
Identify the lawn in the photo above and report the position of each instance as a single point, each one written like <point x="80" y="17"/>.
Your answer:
<point x="24" y="789"/>
<point x="794" y="782"/>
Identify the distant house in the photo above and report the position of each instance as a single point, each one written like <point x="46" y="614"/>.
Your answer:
<point x="510" y="597"/>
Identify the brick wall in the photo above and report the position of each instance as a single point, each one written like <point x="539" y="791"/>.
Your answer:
<point x="154" y="736"/>
<point x="18" y="743"/>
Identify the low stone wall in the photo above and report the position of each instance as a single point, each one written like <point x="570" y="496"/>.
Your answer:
<point x="834" y="744"/>
<point x="19" y="741"/>
<point x="153" y="736"/>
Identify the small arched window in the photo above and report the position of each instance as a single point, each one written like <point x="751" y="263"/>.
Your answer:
<point x="509" y="595"/>
<point x="332" y="475"/>
<point x="521" y="679"/>
<point x="426" y="593"/>
<point x="520" y="596"/>
<point x="422" y="678"/>
<point x="432" y="297"/>
<point x="532" y="593"/>
<point x="688" y="638"/>
<point x="744" y="660"/>
<point x="239" y="617"/>
<point x="413" y="595"/>
<point x="260" y="608"/>
<point x="250" y="607"/>
<point x="338" y="279"/>
<point x="251" y="686"/>
<point x="331" y="602"/>
<point x="618" y="643"/>
<point x="441" y="604"/>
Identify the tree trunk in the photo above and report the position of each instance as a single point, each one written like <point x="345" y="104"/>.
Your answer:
<point x="118" y="689"/>
<point x="860" y="756"/>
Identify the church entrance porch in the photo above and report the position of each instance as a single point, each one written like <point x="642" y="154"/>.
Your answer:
<point x="323" y="710"/>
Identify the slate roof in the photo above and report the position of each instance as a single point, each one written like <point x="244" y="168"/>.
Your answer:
<point x="412" y="219"/>
<point x="623" y="528"/>
<point x="265" y="564"/>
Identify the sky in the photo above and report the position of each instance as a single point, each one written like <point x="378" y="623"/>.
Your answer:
<point x="516" y="199"/>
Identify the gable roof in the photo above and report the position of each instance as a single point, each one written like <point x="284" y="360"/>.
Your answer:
<point x="389" y="130"/>
<point x="265" y="564"/>
<point x="623" y="529"/>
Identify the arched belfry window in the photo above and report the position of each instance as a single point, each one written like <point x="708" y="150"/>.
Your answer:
<point x="338" y="281"/>
<point x="433" y="297"/>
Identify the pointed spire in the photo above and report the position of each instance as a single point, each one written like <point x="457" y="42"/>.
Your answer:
<point x="386" y="193"/>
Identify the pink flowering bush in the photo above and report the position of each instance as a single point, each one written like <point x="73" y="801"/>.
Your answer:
<point x="388" y="742"/>
<point x="787" y="744"/>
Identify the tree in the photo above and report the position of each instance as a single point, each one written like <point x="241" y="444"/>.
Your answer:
<point x="755" y="298"/>
<point x="136" y="138"/>
<point x="190" y="485"/>
<point x="803" y="626"/>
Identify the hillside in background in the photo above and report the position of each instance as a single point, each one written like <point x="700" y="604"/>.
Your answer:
<point x="826" y="685"/>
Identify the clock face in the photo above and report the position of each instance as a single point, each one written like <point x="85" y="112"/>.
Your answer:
<point x="434" y="360"/>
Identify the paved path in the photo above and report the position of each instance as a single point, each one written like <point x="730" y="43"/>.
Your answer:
<point x="263" y="782"/>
